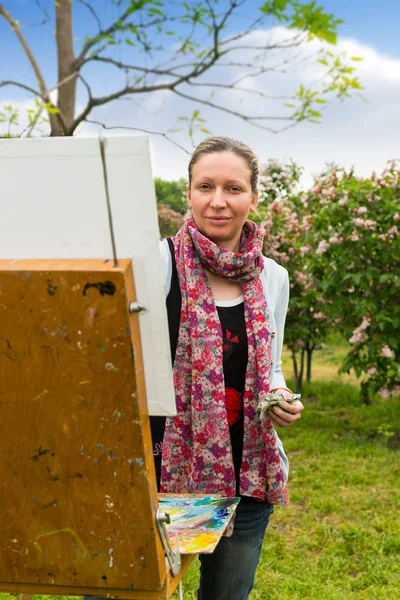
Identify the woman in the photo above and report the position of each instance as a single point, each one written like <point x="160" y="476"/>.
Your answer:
<point x="226" y="309"/>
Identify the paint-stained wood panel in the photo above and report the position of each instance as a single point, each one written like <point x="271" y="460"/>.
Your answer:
<point x="77" y="493"/>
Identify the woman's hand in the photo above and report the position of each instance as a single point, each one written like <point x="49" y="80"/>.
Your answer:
<point x="291" y="412"/>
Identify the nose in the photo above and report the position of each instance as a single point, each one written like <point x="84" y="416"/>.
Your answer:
<point x="218" y="198"/>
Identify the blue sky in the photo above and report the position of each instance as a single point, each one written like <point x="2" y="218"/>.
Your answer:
<point x="352" y="133"/>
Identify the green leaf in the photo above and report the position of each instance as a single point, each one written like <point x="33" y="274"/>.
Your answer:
<point x="195" y="114"/>
<point x="205" y="131"/>
<point x="357" y="58"/>
<point x="129" y="42"/>
<point x="155" y="11"/>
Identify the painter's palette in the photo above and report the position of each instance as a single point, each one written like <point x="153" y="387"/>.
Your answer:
<point x="199" y="520"/>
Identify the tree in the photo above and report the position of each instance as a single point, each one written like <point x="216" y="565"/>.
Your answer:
<point x="355" y="231"/>
<point x="172" y="193"/>
<point x="284" y="212"/>
<point x="184" y="48"/>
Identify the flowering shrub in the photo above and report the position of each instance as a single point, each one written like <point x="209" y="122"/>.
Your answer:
<point x="356" y="236"/>
<point x="287" y="221"/>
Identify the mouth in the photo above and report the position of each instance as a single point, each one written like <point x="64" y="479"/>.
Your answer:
<point x="219" y="219"/>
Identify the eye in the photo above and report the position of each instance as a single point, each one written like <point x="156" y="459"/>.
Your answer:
<point x="204" y="186"/>
<point x="235" y="188"/>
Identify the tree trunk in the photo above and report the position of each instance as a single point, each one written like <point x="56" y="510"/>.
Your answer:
<point x="309" y="358"/>
<point x="298" y="375"/>
<point x="66" y="59"/>
<point x="299" y="386"/>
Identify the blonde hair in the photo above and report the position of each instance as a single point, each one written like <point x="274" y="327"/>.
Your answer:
<point x="225" y="144"/>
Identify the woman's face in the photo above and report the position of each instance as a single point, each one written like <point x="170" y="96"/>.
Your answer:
<point x="220" y="197"/>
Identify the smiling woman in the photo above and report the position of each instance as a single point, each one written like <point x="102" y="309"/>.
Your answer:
<point x="226" y="307"/>
<point x="222" y="191"/>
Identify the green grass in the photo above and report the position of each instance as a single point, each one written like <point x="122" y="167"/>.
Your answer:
<point x="325" y="361"/>
<point x="339" y="537"/>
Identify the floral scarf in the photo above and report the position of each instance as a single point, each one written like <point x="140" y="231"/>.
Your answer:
<point x="197" y="455"/>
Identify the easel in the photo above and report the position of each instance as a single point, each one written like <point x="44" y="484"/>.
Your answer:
<point x="78" y="495"/>
<point x="79" y="518"/>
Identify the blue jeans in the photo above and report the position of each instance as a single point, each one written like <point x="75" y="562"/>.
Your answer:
<point x="228" y="573"/>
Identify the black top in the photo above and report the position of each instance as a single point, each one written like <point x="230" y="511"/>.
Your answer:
<point x="234" y="364"/>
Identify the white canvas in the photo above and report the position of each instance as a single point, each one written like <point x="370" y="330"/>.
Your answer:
<point x="53" y="205"/>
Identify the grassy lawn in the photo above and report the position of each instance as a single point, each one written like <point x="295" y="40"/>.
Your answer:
<point x="339" y="538"/>
<point x="325" y="362"/>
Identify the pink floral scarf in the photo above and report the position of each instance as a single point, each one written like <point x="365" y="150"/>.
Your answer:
<point x="197" y="455"/>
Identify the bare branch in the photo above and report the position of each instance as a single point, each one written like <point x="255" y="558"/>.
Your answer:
<point x="23" y="86"/>
<point x="15" y="27"/>
<point x="46" y="16"/>
<point x="38" y="93"/>
<point x="93" y="12"/>
<point x="55" y="119"/>
<point x="125" y="67"/>
<point x="87" y="86"/>
<point x="247" y="118"/>
<point x="239" y="89"/>
<point x="80" y="60"/>
<point x="164" y="135"/>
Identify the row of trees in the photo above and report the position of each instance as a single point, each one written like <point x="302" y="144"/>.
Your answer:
<point x="340" y="243"/>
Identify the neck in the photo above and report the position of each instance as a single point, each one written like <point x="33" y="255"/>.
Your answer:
<point x="231" y="245"/>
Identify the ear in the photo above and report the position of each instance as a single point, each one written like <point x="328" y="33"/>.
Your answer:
<point x="188" y="198"/>
<point x="254" y="201"/>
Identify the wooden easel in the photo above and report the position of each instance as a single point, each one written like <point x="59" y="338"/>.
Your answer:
<point x="78" y="494"/>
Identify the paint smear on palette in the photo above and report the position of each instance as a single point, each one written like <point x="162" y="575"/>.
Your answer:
<point x="199" y="520"/>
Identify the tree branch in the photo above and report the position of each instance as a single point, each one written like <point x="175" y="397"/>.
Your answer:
<point x="80" y="60"/>
<point x="23" y="86"/>
<point x="164" y="135"/>
<point x="246" y="118"/>
<point x="92" y="11"/>
<point x="55" y="119"/>
<point x="240" y="89"/>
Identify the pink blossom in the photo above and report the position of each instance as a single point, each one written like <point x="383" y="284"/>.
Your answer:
<point x="386" y="351"/>
<point x="305" y="249"/>
<point x="396" y="217"/>
<point x="362" y="210"/>
<point x="343" y="201"/>
<point x="384" y="392"/>
<point x="301" y="277"/>
<point x="350" y="290"/>
<point x="359" y="336"/>
<point x="372" y="371"/>
<point x="276" y="207"/>
<point x="389" y="235"/>
<point x="365" y="223"/>
<point x="335" y="239"/>
<point x="354" y="237"/>
<point x="318" y="315"/>
<point x="322" y="247"/>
